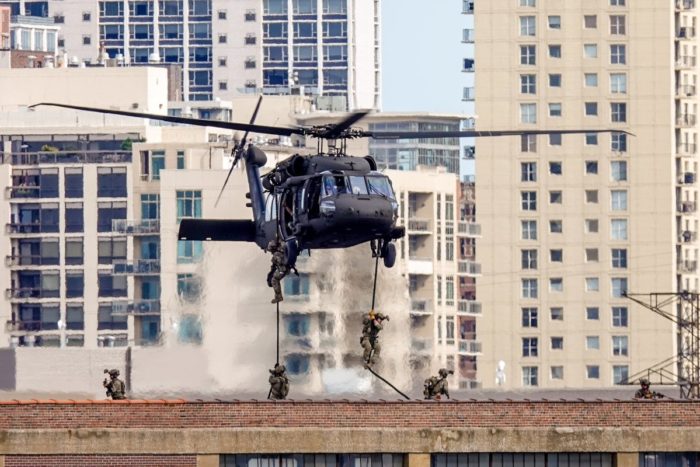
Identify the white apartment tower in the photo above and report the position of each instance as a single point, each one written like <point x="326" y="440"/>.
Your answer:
<point x="570" y="223"/>
<point x="326" y="48"/>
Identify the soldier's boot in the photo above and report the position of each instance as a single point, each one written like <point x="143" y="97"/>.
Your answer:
<point x="278" y="291"/>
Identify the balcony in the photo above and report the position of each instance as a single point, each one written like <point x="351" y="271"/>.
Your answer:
<point x="421" y="346"/>
<point x="15" y="293"/>
<point x="296" y="344"/>
<point x="685" y="120"/>
<point x="686" y="62"/>
<point x="468" y="268"/>
<point x="468" y="94"/>
<point x="17" y="228"/>
<point x="468" y="347"/>
<point x="687" y="236"/>
<point x="687" y="266"/>
<point x="137" y="267"/>
<point x="686" y="32"/>
<point x="468" y="65"/>
<point x="685" y="90"/>
<point x="30" y="260"/>
<point x="468" y="229"/>
<point x="468" y="36"/>
<point x="29" y="326"/>
<point x="421" y="307"/>
<point x="686" y="207"/>
<point x="685" y="5"/>
<point x="419" y="226"/>
<point x="66" y="157"/>
<point x="23" y="192"/>
<point x="469" y="152"/>
<point x="686" y="178"/>
<point x="468" y="308"/>
<point x="136" y="227"/>
<point x="141" y="307"/>
<point x="686" y="149"/>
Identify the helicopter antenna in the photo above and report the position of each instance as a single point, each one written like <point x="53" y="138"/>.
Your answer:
<point x="238" y="150"/>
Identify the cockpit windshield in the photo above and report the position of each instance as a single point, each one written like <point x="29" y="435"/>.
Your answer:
<point x="379" y="185"/>
<point x="357" y="184"/>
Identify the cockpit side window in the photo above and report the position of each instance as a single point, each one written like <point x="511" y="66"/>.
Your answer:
<point x="380" y="185"/>
<point x="270" y="208"/>
<point x="334" y="185"/>
<point x="357" y="182"/>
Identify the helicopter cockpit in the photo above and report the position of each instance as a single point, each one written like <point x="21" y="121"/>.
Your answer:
<point x="373" y="183"/>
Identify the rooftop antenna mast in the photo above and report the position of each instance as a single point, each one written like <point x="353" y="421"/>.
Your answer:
<point x="683" y="309"/>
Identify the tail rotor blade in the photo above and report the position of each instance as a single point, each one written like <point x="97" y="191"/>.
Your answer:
<point x="238" y="150"/>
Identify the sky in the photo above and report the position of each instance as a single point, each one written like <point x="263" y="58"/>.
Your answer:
<point x="422" y="56"/>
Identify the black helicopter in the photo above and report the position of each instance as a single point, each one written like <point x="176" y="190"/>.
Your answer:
<point x="310" y="202"/>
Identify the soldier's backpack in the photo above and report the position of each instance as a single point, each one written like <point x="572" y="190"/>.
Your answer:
<point x="284" y="390"/>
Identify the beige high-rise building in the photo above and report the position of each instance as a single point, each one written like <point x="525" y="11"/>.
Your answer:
<point x="570" y="223"/>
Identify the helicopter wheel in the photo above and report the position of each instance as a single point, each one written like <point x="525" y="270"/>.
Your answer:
<point x="389" y="254"/>
<point x="291" y="251"/>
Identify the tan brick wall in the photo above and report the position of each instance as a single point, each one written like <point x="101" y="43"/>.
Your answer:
<point x="94" y="460"/>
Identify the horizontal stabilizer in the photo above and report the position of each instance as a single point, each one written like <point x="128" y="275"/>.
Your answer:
<point x="217" y="230"/>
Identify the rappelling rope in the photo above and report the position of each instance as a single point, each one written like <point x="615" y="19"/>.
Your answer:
<point x="374" y="295"/>
<point x="278" y="333"/>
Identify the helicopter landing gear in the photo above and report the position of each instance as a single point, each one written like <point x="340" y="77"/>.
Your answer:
<point x="385" y="250"/>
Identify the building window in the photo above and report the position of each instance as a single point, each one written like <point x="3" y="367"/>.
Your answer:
<point x="591" y="255"/>
<point x="110" y="250"/>
<point x="107" y="321"/>
<point x="555" y="109"/>
<point x="249" y="15"/>
<point x="528" y="171"/>
<point x="150" y="206"/>
<point x="617" y="24"/>
<point x="555" y="139"/>
<point x="222" y="14"/>
<point x="222" y="39"/>
<point x="529" y="317"/>
<point x="275" y="7"/>
<point x="590" y="80"/>
<point x="528" y="84"/>
<point x="528" y="259"/>
<point x="529" y="288"/>
<point x="87" y="40"/>
<point x="620" y="374"/>
<point x="200" y="8"/>
<point x="529" y="346"/>
<point x="556" y="284"/>
<point x="529" y="230"/>
<point x="555" y="80"/>
<point x="591" y="167"/>
<point x="74" y="251"/>
<point x="297" y="286"/>
<point x="591" y="225"/>
<point x="75" y="284"/>
<point x="109" y="212"/>
<point x="189" y="287"/>
<point x="590" y="50"/>
<point x="111" y="182"/>
<point x="555" y="168"/>
<point x="592" y="313"/>
<point x="618" y="83"/>
<point x="557" y="343"/>
<point x="591" y="108"/>
<point x="530" y="3"/>
<point x="617" y="2"/>
<point x="618" y="171"/>
<point x="592" y="284"/>
<point x="592" y="343"/>
<point x="528" y="200"/>
<point x="110" y="285"/>
<point x="527" y="26"/>
<point x="223" y="61"/>
<point x="74" y="218"/>
<point x="527" y="55"/>
<point x="75" y="317"/>
<point x="528" y="143"/>
<point x="171" y="8"/>
<point x="618" y="54"/>
<point x="554" y="22"/>
<point x="528" y="113"/>
<point x="556" y="313"/>
<point x="556" y="255"/>
<point x="180" y="160"/>
<point x="618" y="111"/>
<point x="619" y="316"/>
<point x="618" y="229"/>
<point x="86" y="16"/>
<point x="556" y="226"/>
<point x="189" y="204"/>
<point x="555" y="51"/>
<point x="250" y="39"/>
<point x="529" y="376"/>
<point x="618" y="142"/>
<point x="555" y="197"/>
<point x="592" y="372"/>
<point x="590" y="21"/>
<point x="111" y="8"/>
<point x="618" y="200"/>
<point x="557" y="372"/>
<point x="619" y="346"/>
<point x="223" y="85"/>
<point x="591" y="139"/>
<point x="591" y="196"/>
<point x="619" y="287"/>
<point x="189" y="251"/>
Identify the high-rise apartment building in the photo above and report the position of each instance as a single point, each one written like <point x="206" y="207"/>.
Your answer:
<point x="570" y="223"/>
<point x="230" y="47"/>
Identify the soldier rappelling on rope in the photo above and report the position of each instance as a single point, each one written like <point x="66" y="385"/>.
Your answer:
<point x="371" y="325"/>
<point x="436" y="386"/>
<point x="279" y="383"/>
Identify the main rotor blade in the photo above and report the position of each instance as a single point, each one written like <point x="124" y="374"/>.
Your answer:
<point x="337" y="129"/>
<point x="270" y="130"/>
<point x="476" y="134"/>
<point x="237" y="151"/>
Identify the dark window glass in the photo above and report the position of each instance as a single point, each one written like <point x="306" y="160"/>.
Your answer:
<point x="74" y="251"/>
<point x="108" y="212"/>
<point x="74" y="217"/>
<point x="107" y="321"/>
<point x="111" y="182"/>
<point x="75" y="284"/>
<point x="111" y="285"/>
<point x="75" y="318"/>
<point x="74" y="183"/>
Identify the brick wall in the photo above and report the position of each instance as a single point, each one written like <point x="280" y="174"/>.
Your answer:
<point x="344" y="414"/>
<point x="95" y="460"/>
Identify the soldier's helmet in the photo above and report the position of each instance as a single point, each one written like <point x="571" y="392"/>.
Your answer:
<point x="271" y="245"/>
<point x="279" y="369"/>
<point x="644" y="382"/>
<point x="114" y="373"/>
<point x="443" y="373"/>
